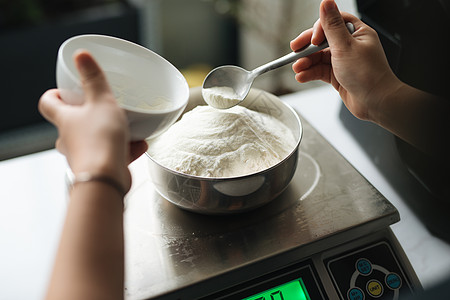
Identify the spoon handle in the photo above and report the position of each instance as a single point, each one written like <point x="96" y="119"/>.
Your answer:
<point x="293" y="56"/>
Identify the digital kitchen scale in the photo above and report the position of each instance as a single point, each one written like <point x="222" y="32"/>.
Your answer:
<point x="326" y="237"/>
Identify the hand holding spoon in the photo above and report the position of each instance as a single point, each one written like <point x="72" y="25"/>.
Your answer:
<point x="227" y="86"/>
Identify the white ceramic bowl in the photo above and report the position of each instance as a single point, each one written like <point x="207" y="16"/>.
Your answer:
<point x="150" y="89"/>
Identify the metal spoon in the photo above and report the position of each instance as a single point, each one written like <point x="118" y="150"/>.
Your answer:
<point x="235" y="82"/>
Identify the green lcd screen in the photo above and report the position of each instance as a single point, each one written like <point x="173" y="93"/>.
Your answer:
<point x="292" y="290"/>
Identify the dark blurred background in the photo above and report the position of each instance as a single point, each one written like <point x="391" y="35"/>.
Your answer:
<point x="30" y="34"/>
<point x="415" y="36"/>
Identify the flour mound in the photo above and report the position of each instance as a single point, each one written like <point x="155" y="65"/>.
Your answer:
<point x="220" y="97"/>
<point x="210" y="142"/>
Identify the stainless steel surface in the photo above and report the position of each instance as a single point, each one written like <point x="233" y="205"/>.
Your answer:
<point x="327" y="203"/>
<point x="232" y="194"/>
<point x="241" y="80"/>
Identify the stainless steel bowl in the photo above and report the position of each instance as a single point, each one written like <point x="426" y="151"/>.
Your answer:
<point x="227" y="195"/>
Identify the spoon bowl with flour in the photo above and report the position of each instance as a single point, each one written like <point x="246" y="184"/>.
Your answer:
<point x="227" y="86"/>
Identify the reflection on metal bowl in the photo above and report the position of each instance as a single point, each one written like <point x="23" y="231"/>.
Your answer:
<point x="228" y="195"/>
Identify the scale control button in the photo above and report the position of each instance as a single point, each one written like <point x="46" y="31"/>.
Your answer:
<point x="364" y="266"/>
<point x="374" y="288"/>
<point x="355" y="294"/>
<point x="393" y="281"/>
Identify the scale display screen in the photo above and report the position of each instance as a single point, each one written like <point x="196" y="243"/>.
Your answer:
<point x="292" y="290"/>
<point x="294" y="282"/>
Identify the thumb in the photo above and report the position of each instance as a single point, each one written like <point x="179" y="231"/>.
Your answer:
<point x="333" y="25"/>
<point x="92" y="77"/>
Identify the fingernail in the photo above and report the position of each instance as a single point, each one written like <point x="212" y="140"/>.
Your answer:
<point x="313" y="35"/>
<point x="294" y="39"/>
<point x="329" y="6"/>
<point x="79" y="59"/>
<point x="298" y="36"/>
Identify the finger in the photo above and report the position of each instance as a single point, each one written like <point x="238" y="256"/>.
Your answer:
<point x="318" y="35"/>
<point x="302" y="40"/>
<point x="50" y="104"/>
<point x="316" y="72"/>
<point x="333" y="25"/>
<point x="93" y="79"/>
<point x="302" y="64"/>
<point x="137" y="149"/>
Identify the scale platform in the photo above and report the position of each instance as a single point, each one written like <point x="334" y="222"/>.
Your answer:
<point x="326" y="237"/>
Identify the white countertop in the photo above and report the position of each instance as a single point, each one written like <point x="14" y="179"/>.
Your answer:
<point x="33" y="198"/>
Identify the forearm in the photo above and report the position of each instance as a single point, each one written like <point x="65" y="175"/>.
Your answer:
<point x="419" y="118"/>
<point x="89" y="263"/>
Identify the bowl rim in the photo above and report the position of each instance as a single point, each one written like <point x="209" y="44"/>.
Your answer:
<point x="74" y="78"/>
<point x="203" y="178"/>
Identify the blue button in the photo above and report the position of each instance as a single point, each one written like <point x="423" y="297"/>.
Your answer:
<point x="364" y="266"/>
<point x="393" y="281"/>
<point x="355" y="294"/>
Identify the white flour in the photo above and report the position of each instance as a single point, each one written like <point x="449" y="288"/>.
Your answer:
<point x="220" y="96"/>
<point x="212" y="142"/>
